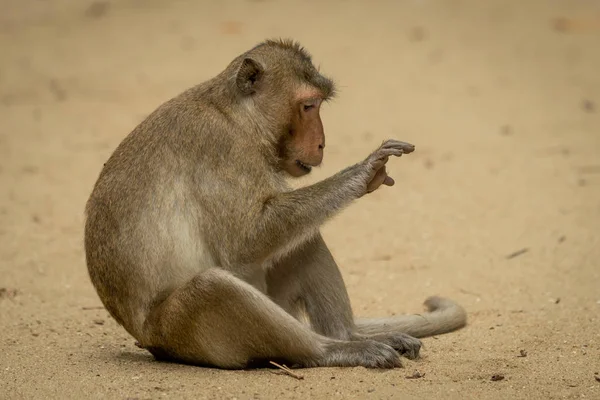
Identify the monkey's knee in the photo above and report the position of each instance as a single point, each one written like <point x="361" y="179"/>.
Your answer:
<point x="194" y="324"/>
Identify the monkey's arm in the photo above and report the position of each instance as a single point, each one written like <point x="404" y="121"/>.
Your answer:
<point x="312" y="205"/>
<point x="289" y="217"/>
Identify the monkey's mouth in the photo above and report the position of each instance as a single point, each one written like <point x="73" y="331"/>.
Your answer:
<point x="304" y="167"/>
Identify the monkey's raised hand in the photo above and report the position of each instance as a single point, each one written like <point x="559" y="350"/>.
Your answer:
<point x="375" y="163"/>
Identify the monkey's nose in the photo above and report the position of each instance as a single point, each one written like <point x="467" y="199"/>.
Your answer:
<point x="319" y="157"/>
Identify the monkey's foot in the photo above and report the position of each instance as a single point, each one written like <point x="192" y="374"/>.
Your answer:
<point x="366" y="353"/>
<point x="404" y="344"/>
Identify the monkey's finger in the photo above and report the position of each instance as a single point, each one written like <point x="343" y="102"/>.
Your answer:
<point x="389" y="181"/>
<point x="385" y="153"/>
<point x="379" y="177"/>
<point x="397" y="144"/>
<point x="377" y="180"/>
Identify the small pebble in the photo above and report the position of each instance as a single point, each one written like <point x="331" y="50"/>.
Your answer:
<point x="588" y="106"/>
<point x="523" y="353"/>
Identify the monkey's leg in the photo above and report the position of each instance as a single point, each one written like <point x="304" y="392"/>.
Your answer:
<point x="310" y="279"/>
<point x="217" y="319"/>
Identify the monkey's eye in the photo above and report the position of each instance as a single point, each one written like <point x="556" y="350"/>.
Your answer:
<point x="309" y="105"/>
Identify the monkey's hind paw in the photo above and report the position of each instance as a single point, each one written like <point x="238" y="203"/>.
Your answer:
<point x="367" y="353"/>
<point x="404" y="344"/>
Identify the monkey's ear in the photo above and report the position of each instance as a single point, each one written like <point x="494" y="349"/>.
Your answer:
<point x="249" y="76"/>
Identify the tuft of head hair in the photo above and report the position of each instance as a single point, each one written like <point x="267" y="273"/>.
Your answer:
<point x="310" y="75"/>
<point x="288" y="45"/>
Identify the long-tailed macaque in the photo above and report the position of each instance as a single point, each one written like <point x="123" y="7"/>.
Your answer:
<point x="198" y="247"/>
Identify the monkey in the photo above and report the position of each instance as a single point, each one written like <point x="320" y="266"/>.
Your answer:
<point x="198" y="246"/>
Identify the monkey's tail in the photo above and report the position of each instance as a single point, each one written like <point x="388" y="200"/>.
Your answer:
<point x="442" y="316"/>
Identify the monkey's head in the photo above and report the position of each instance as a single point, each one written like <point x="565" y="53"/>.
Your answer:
<point x="278" y="80"/>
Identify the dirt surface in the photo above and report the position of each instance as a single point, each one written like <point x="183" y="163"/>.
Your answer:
<point x="499" y="207"/>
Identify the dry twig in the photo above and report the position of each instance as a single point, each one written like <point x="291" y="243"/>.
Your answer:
<point x="517" y="253"/>
<point x="286" y="370"/>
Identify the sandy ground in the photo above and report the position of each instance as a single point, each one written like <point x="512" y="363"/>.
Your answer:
<point x="502" y="102"/>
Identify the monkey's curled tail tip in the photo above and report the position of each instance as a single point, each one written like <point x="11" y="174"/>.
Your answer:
<point x="443" y="305"/>
<point x="434" y="303"/>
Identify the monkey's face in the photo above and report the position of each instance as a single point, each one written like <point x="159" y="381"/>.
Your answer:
<point x="288" y="90"/>
<point x="304" y="141"/>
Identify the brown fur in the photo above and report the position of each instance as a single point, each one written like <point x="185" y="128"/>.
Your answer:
<point x="198" y="247"/>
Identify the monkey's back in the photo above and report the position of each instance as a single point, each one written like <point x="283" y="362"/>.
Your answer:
<point x="143" y="230"/>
